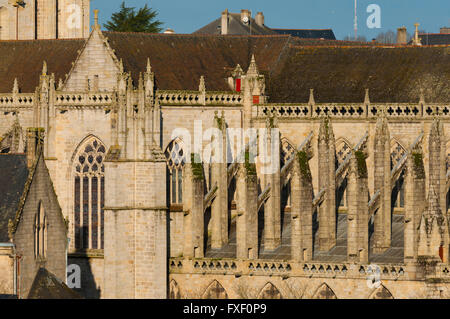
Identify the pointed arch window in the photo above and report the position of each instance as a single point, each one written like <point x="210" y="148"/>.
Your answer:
<point x="40" y="233"/>
<point x="398" y="193"/>
<point x="89" y="195"/>
<point x="176" y="158"/>
<point x="343" y="150"/>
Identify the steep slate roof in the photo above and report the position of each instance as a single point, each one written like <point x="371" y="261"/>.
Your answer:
<point x="308" y="33"/>
<point x="179" y="60"/>
<point x="13" y="176"/>
<point x="340" y="74"/>
<point x="236" y="27"/>
<point x="24" y="60"/>
<point x="48" y="286"/>
<point x="435" y="38"/>
<point x="338" y="71"/>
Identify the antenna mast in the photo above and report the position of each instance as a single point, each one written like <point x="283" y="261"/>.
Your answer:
<point x="356" y="20"/>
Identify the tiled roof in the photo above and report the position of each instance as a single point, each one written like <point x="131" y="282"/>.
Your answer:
<point x="13" y="176"/>
<point x="24" y="60"/>
<point x="179" y="60"/>
<point x="308" y="33"/>
<point x="338" y="71"/>
<point x="340" y="74"/>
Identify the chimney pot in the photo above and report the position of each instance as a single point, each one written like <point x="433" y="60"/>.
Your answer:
<point x="259" y="19"/>
<point x="402" y="36"/>
<point x="224" y="23"/>
<point x="245" y="13"/>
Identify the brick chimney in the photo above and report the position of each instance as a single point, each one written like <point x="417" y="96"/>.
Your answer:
<point x="245" y="13"/>
<point x="259" y="19"/>
<point x="402" y="37"/>
<point x="224" y="23"/>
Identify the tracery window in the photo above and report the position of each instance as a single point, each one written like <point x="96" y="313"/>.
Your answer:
<point x="342" y="151"/>
<point x="40" y="233"/>
<point x="89" y="196"/>
<point x="397" y="153"/>
<point x="176" y="158"/>
<point x="287" y="151"/>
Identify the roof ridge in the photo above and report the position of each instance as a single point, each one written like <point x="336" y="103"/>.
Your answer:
<point x="43" y="40"/>
<point x="199" y="35"/>
<point x="329" y="29"/>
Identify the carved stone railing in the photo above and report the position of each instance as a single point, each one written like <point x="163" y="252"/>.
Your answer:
<point x="287" y="269"/>
<point x="19" y="100"/>
<point x="354" y="111"/>
<point x="166" y="97"/>
<point x="179" y="97"/>
<point x="223" y="98"/>
<point x="68" y="99"/>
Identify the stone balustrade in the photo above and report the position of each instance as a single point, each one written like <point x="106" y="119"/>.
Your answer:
<point x="354" y="111"/>
<point x="83" y="99"/>
<point x="288" y="269"/>
<point x="198" y="98"/>
<point x="19" y="100"/>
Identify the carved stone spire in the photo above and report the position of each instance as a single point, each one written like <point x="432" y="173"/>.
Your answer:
<point x="16" y="86"/>
<point x="237" y="72"/>
<point x="253" y="68"/>
<point x="149" y="66"/>
<point x="367" y="98"/>
<point x="121" y="69"/>
<point x="311" y="97"/>
<point x="432" y="229"/>
<point x="44" y="68"/>
<point x="202" y="85"/>
<point x="422" y="97"/>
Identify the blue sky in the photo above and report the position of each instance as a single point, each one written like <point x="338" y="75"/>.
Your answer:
<point x="186" y="16"/>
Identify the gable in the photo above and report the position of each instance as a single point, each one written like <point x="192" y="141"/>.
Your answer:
<point x="96" y="67"/>
<point x="38" y="190"/>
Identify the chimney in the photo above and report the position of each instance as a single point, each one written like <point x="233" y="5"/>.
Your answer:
<point x="401" y="36"/>
<point x="245" y="13"/>
<point x="224" y="23"/>
<point x="259" y="19"/>
<point x="35" y="138"/>
<point x="445" y="30"/>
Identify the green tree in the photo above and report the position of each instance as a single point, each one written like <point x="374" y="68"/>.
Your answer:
<point x="128" y="20"/>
